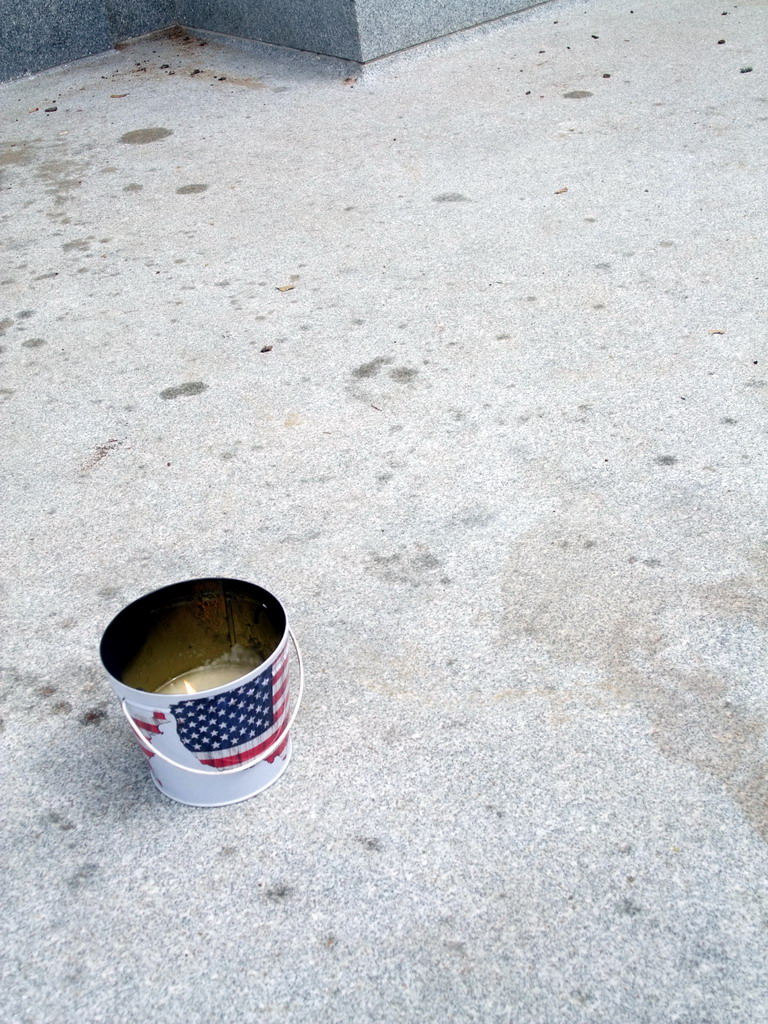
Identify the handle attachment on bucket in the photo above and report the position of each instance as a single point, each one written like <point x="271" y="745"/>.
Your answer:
<point x="144" y="741"/>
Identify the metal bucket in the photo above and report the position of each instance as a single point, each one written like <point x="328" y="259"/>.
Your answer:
<point x="201" y="672"/>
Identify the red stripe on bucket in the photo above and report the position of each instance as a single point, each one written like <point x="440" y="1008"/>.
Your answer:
<point x="147" y="726"/>
<point x="279" y="752"/>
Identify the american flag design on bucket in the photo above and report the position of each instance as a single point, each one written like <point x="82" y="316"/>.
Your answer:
<point x="239" y="725"/>
<point x="152" y="728"/>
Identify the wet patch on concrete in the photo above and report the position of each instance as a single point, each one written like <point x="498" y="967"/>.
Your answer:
<point x="15" y="154"/>
<point x="55" y="818"/>
<point x="84" y="876"/>
<point x="142" y="136"/>
<point x="404" y="374"/>
<point x="371" y="843"/>
<point x="277" y="893"/>
<point x="555" y="600"/>
<point x="413" y="566"/>
<point x="195" y="387"/>
<point x="371" y="368"/>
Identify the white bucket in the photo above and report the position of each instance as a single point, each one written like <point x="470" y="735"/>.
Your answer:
<point x="222" y="743"/>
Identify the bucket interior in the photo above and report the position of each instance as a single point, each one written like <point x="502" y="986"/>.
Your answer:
<point x="186" y="625"/>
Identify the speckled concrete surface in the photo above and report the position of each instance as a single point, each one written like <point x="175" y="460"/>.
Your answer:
<point x="504" y="462"/>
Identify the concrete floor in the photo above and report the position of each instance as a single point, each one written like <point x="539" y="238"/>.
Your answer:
<point x="505" y="464"/>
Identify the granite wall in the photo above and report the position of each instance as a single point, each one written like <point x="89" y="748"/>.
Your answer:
<point x="388" y="25"/>
<point x="38" y="34"/>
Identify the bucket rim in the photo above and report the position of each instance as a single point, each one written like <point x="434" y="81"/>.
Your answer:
<point x="133" y="694"/>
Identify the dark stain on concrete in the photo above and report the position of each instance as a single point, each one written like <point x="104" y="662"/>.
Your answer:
<point x="188" y="190"/>
<point x="451" y="197"/>
<point x="577" y="94"/>
<point x="141" y="136"/>
<point x="33" y="343"/>
<point x="4" y="325"/>
<point x="195" y="387"/>
<point x="94" y="716"/>
<point x="133" y="187"/>
<point x="628" y="908"/>
<point x="85" y="875"/>
<point x="58" y="819"/>
<point x="100" y="452"/>
<point x="25" y="314"/>
<point x="61" y="707"/>
<point x="666" y="460"/>
<point x="278" y="892"/>
<point x="413" y="566"/>
<point x="371" y="843"/>
<point x="371" y="368"/>
<point x="404" y="374"/>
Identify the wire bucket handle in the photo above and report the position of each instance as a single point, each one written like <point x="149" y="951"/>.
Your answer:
<point x="150" y="748"/>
